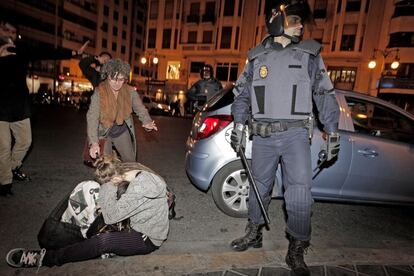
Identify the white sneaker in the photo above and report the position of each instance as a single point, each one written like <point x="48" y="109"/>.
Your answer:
<point x="22" y="258"/>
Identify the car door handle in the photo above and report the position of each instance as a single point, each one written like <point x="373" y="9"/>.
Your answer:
<point x="368" y="152"/>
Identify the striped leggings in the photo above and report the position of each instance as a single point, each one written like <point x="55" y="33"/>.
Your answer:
<point x="120" y="243"/>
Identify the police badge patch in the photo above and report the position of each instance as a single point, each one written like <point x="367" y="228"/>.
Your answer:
<point x="263" y="71"/>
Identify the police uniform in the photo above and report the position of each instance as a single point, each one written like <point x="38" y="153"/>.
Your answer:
<point x="277" y="90"/>
<point x="203" y="90"/>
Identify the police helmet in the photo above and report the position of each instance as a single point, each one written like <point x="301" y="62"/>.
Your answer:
<point x="277" y="10"/>
<point x="206" y="72"/>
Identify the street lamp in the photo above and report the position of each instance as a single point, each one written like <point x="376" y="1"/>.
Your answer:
<point x="149" y="59"/>
<point x="385" y="53"/>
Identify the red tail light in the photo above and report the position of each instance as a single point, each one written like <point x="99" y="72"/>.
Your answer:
<point x="212" y="125"/>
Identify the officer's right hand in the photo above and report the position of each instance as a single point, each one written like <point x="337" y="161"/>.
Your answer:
<point x="238" y="137"/>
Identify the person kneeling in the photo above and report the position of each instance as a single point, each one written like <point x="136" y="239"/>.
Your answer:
<point x="145" y="199"/>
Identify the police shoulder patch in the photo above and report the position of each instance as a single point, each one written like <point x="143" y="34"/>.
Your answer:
<point x="263" y="71"/>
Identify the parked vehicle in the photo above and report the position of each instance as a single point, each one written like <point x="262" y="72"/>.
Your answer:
<point x="375" y="162"/>
<point x="155" y="108"/>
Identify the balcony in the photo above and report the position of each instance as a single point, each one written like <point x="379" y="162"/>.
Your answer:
<point x="393" y="82"/>
<point x="193" y="18"/>
<point x="209" y="18"/>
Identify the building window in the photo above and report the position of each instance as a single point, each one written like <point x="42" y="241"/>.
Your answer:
<point x="166" y="39"/>
<point x="228" y="8"/>
<point x="123" y="34"/>
<point x="114" y="46"/>
<point x="124" y="20"/>
<point x="404" y="8"/>
<point x="154" y="10"/>
<point x="140" y="15"/>
<point x="192" y="37"/>
<point x="319" y="10"/>
<point x="116" y="15"/>
<point x="207" y="36"/>
<point x="115" y="31"/>
<point x="236" y="40"/>
<point x="139" y="29"/>
<point x="136" y="70"/>
<point x="240" y="7"/>
<point x="339" y="7"/>
<point x="169" y="9"/>
<point x="104" y="43"/>
<point x="152" y="34"/>
<point x="138" y="43"/>
<point x="173" y="70"/>
<point x="227" y="71"/>
<point x="105" y="27"/>
<point x="125" y="4"/>
<point x="347" y="42"/>
<point x="123" y="49"/>
<point x="106" y="10"/>
<point x="353" y="5"/>
<point x="342" y="77"/>
<point x="401" y="39"/>
<point x="225" y="38"/>
<point x="195" y="66"/>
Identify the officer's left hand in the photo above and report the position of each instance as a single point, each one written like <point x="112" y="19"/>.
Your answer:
<point x="331" y="145"/>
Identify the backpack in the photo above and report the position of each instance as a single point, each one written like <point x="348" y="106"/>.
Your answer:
<point x="54" y="233"/>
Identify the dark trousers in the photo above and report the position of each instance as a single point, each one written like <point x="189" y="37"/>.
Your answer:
<point x="292" y="149"/>
<point x="124" y="243"/>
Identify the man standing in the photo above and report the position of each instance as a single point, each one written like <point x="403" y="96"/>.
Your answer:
<point x="277" y="89"/>
<point x="205" y="88"/>
<point x="15" y="102"/>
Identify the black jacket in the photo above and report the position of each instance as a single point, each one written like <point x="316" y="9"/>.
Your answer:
<point x="89" y="72"/>
<point x="14" y="94"/>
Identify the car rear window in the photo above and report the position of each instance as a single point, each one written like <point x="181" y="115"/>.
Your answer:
<point x="223" y="98"/>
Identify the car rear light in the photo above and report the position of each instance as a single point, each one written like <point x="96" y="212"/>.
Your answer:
<point x="212" y="125"/>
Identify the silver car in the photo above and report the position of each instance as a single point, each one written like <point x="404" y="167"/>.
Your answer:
<point x="375" y="162"/>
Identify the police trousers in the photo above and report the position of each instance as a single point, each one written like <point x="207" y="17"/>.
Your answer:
<point x="290" y="148"/>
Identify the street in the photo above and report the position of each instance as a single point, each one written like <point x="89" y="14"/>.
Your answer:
<point x="342" y="233"/>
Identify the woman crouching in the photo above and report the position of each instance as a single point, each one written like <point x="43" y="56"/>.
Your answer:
<point x="144" y="203"/>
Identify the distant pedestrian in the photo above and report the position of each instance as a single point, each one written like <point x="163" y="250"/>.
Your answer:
<point x="110" y="113"/>
<point x="15" y="103"/>
<point x="205" y="88"/>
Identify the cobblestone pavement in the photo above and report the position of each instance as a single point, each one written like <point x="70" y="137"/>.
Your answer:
<point x="340" y="270"/>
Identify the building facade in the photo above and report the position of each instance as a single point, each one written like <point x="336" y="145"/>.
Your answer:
<point x="184" y="35"/>
<point x="115" y="26"/>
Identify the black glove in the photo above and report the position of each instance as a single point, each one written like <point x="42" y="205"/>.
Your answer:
<point x="331" y="146"/>
<point x="238" y="137"/>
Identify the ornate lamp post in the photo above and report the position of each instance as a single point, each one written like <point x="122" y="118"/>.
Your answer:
<point x="149" y="60"/>
<point x="372" y="64"/>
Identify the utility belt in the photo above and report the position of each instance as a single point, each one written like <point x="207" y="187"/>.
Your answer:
<point x="265" y="129"/>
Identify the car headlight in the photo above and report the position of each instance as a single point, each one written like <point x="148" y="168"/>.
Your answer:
<point x="159" y="106"/>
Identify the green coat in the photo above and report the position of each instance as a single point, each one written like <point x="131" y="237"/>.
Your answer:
<point x="96" y="130"/>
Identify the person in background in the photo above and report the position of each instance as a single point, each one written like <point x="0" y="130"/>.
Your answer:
<point x="110" y="113"/>
<point x="205" y="88"/>
<point x="91" y="67"/>
<point x="277" y="89"/>
<point x="144" y="204"/>
<point x="15" y="105"/>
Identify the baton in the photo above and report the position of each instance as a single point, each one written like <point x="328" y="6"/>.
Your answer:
<point x="253" y="184"/>
<point x="322" y="159"/>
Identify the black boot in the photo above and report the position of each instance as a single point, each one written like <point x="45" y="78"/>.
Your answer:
<point x="294" y="257"/>
<point x="5" y="190"/>
<point x="253" y="238"/>
<point x="18" y="175"/>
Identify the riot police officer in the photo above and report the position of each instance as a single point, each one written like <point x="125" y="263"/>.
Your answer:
<point x="277" y="89"/>
<point x="205" y="88"/>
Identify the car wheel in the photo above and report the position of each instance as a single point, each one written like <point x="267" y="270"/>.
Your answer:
<point x="230" y="190"/>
